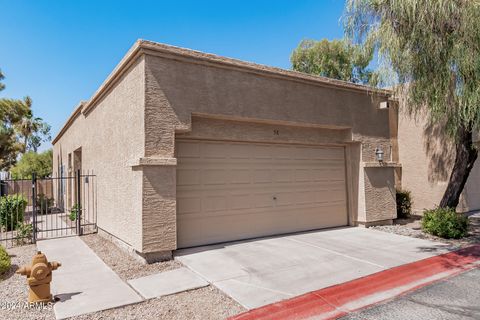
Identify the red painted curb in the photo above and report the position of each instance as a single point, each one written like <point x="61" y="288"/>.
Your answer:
<point x="331" y="302"/>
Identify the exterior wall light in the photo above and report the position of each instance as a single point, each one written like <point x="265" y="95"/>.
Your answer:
<point x="379" y="154"/>
<point x="384" y="105"/>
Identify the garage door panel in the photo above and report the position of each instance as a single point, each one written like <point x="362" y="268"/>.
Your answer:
<point x="293" y="210"/>
<point x="240" y="176"/>
<point x="188" y="150"/>
<point x="282" y="175"/>
<point x="188" y="177"/>
<point x="328" y="154"/>
<point x="217" y="203"/>
<point x="211" y="229"/>
<point x="238" y="151"/>
<point x="250" y="190"/>
<point x="214" y="176"/>
<point x="189" y="205"/>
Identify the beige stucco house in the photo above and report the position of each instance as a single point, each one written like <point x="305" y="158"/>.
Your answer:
<point x="192" y="148"/>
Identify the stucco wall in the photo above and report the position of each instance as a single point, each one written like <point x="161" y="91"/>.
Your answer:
<point x="111" y="137"/>
<point x="471" y="195"/>
<point x="427" y="156"/>
<point x="128" y="135"/>
<point x="378" y="182"/>
<point x="177" y="88"/>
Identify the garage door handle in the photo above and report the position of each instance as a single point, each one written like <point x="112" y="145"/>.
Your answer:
<point x="274" y="198"/>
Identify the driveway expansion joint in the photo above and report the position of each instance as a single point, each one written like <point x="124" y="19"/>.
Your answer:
<point x="338" y="253"/>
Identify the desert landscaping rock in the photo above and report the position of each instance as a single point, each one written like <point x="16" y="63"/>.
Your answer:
<point x="412" y="228"/>
<point x="204" y="303"/>
<point x="207" y="303"/>
<point x="123" y="264"/>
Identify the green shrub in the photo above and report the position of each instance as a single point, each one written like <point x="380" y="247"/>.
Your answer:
<point x="445" y="223"/>
<point x="5" y="261"/>
<point x="12" y="210"/>
<point x="44" y="204"/>
<point x="404" y="203"/>
<point x="74" y="212"/>
<point x="24" y="233"/>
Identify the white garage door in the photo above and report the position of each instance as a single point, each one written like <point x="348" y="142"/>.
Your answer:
<point x="229" y="191"/>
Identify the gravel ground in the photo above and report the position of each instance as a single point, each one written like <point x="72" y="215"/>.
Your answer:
<point x="412" y="228"/>
<point x="204" y="303"/>
<point x="14" y="290"/>
<point x="123" y="264"/>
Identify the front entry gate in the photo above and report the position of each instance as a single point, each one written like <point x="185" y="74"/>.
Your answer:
<point x="44" y="208"/>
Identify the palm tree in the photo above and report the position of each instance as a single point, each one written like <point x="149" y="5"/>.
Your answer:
<point x="31" y="130"/>
<point x="2" y="86"/>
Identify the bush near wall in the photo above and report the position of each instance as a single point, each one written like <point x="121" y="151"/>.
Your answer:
<point x="24" y="233"/>
<point x="44" y="204"/>
<point x="74" y="212"/>
<point x="12" y="211"/>
<point x="404" y="203"/>
<point x="5" y="261"/>
<point x="445" y="223"/>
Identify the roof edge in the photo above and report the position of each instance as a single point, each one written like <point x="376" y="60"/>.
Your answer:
<point x="76" y="112"/>
<point x="169" y="51"/>
<point x="141" y="47"/>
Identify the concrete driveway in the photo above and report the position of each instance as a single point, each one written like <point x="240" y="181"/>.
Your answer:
<point x="262" y="271"/>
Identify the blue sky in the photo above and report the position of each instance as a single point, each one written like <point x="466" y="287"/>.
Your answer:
<point x="59" y="52"/>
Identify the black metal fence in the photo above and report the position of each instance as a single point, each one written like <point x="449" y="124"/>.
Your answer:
<point x="34" y="209"/>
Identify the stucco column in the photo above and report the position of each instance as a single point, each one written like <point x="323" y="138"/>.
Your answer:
<point x="159" y="208"/>
<point x="376" y="191"/>
<point x="380" y="203"/>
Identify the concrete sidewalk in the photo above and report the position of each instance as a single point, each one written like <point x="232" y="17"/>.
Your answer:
<point x="84" y="283"/>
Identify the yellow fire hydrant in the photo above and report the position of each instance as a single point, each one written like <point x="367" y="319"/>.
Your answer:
<point x="39" y="276"/>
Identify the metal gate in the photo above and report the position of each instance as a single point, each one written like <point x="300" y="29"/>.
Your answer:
<point x="44" y="208"/>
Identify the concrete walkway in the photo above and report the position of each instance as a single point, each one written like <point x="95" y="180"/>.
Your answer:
<point x="84" y="283"/>
<point x="263" y="271"/>
<point x="168" y="282"/>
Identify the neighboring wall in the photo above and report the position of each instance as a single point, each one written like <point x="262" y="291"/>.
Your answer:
<point x="472" y="189"/>
<point x="427" y="156"/>
<point x="111" y="138"/>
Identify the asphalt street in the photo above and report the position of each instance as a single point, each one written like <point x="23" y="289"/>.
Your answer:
<point x="455" y="298"/>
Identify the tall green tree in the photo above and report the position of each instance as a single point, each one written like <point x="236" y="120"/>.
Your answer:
<point x="9" y="115"/>
<point x="335" y="59"/>
<point x="30" y="162"/>
<point x="20" y="131"/>
<point x="31" y="130"/>
<point x="429" y="50"/>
